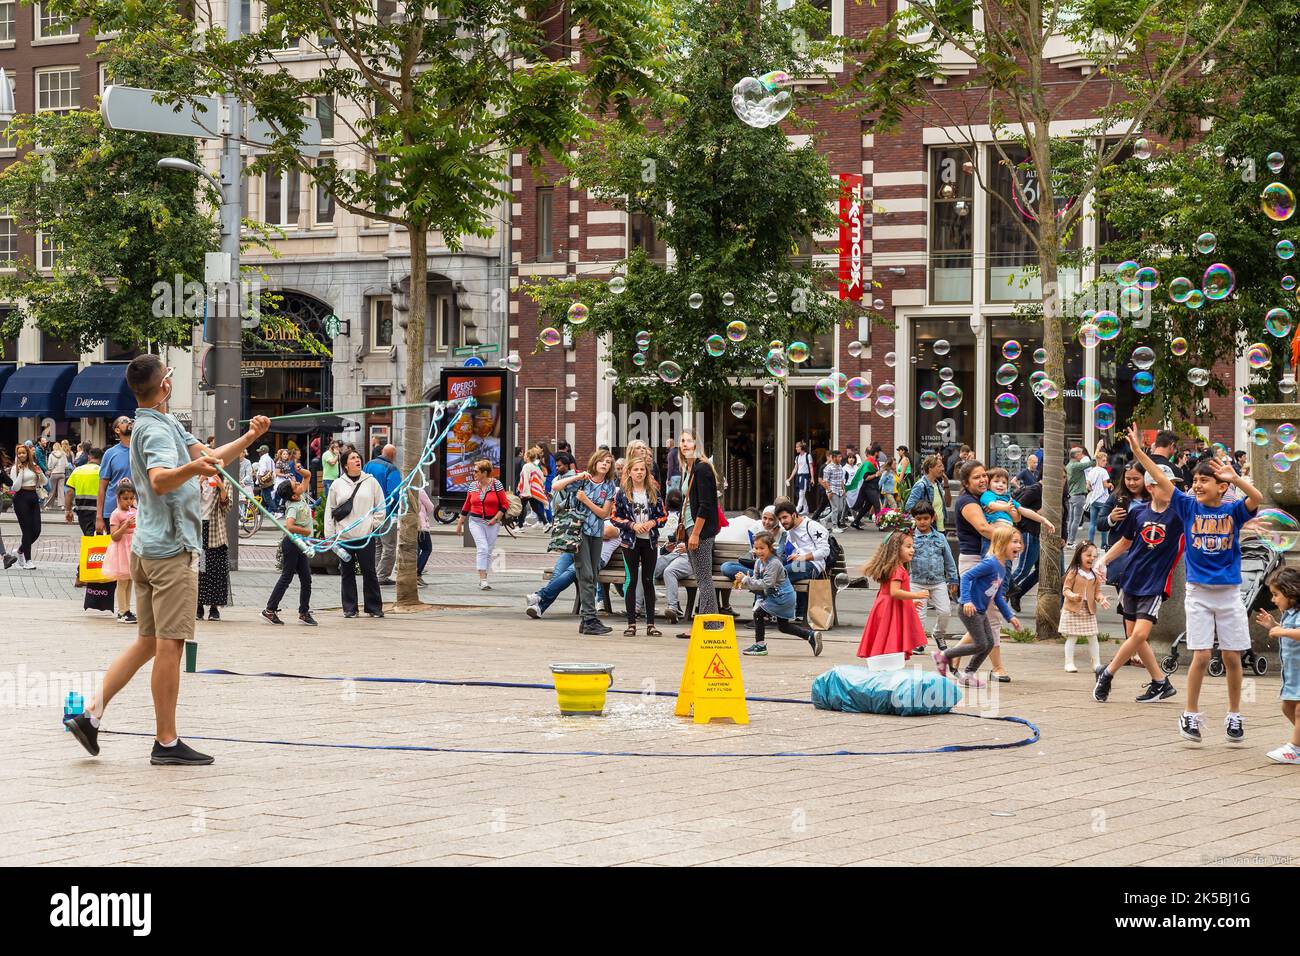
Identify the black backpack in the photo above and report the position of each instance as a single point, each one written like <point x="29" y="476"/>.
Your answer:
<point x="836" y="556"/>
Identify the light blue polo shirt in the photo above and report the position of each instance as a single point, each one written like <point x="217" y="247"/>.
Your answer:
<point x="166" y="524"/>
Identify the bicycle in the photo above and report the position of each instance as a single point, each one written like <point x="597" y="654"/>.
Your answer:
<point x="250" y="519"/>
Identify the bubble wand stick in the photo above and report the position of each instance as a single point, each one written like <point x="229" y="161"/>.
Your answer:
<point x="302" y="545"/>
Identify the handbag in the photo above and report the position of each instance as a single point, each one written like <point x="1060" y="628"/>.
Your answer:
<point x="341" y="511"/>
<point x="567" y="526"/>
<point x="821" y="605"/>
<point x="516" y="505"/>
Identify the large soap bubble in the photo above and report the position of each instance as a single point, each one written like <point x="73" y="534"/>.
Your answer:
<point x="1218" y="281"/>
<point x="578" y="313"/>
<point x="715" y="345"/>
<point x="1006" y="374"/>
<point x="1277" y="529"/>
<point x="670" y="372"/>
<point x="950" y="395"/>
<point x="1126" y="273"/>
<point x="1006" y="404"/>
<point x="1278" y="322"/>
<point x="1143" y="357"/>
<point x="1180" y="287"/>
<point x="758" y="103"/>
<point x="1277" y="201"/>
<point x="1144" y="383"/>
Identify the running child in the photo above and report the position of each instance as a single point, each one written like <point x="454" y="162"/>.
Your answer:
<point x="1285" y="588"/>
<point x="298" y="519"/>
<point x="894" y="625"/>
<point x="1152" y="539"/>
<point x="1212" y="528"/>
<point x="777" y="599"/>
<point x="983" y="584"/>
<point x="933" y="569"/>
<point x="117" y="560"/>
<point x="1082" y="592"/>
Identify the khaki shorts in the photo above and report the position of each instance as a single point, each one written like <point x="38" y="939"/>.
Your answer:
<point x="167" y="591"/>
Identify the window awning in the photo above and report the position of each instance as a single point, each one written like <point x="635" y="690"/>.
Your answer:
<point x="99" y="391"/>
<point x="37" y="391"/>
<point x="6" y="369"/>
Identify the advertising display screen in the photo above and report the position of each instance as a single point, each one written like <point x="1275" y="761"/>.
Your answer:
<point x="479" y="432"/>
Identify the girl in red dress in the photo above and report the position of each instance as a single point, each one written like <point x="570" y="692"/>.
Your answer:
<point x="894" y="625"/>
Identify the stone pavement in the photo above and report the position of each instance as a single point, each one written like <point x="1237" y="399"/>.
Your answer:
<point x="1108" y="784"/>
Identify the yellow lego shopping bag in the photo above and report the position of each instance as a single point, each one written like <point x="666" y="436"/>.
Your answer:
<point x="93" y="548"/>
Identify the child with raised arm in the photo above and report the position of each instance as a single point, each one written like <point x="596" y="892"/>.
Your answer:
<point x="1285" y="588"/>
<point x="1212" y="527"/>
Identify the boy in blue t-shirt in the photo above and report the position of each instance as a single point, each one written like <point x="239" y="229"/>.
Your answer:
<point x="1152" y="536"/>
<point x="1212" y="528"/>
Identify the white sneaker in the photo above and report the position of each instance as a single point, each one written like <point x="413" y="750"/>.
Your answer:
<point x="1071" y="669"/>
<point x="1287" y="754"/>
<point x="30" y="565"/>
<point x="484" y="586"/>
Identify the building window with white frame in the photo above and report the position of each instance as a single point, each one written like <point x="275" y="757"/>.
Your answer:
<point x="48" y="250"/>
<point x="7" y="8"/>
<point x="8" y="242"/>
<point x="443" y="308"/>
<point x="7" y="144"/>
<point x="282" y="201"/>
<point x="58" y="89"/>
<point x="1013" y="230"/>
<point x="323" y="199"/>
<point x="48" y="24"/>
<point x="952" y="235"/>
<point x="325" y="116"/>
<point x="381" y="323"/>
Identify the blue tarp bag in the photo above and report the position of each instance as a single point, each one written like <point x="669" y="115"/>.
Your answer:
<point x="910" y="692"/>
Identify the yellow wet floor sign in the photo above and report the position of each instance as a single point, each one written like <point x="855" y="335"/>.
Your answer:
<point x="711" y="681"/>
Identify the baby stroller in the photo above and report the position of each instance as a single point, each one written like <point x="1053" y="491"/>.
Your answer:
<point x="1258" y="561"/>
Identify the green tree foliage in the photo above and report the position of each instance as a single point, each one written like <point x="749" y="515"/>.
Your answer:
<point x="732" y="202"/>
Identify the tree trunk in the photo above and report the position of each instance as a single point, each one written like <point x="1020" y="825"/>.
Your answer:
<point x="415" y="422"/>
<point x="1049" y="567"/>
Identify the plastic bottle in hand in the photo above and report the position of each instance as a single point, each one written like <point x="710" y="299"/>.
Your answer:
<point x="343" y="553"/>
<point x="72" y="706"/>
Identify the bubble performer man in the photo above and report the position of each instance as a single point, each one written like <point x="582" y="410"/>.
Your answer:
<point x="167" y="464"/>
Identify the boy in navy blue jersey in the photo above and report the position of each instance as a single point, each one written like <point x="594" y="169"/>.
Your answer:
<point x="1152" y="536"/>
<point x="1212" y="528"/>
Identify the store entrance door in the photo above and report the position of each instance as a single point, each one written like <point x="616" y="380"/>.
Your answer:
<point x="751" y="465"/>
<point x="811" y="422"/>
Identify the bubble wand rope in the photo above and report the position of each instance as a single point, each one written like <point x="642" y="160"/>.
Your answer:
<point x="346" y="411"/>
<point x="303" y="546"/>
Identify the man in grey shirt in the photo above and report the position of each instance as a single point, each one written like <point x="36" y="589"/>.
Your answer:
<point x="167" y="465"/>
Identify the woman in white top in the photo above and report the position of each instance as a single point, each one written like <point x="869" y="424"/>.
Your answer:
<point x="56" y="462"/>
<point x="532" y="487"/>
<point x="360" y="494"/>
<point x="27" y="477"/>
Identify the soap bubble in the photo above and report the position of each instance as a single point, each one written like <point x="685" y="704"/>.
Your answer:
<point x="1286" y="384"/>
<point x="891" y="359"/>
<point x="643" y="339"/>
<point x="950" y="395"/>
<point x="855" y="348"/>
<point x="1131" y="300"/>
<point x="574" y="395"/>
<point x="1259" y="436"/>
<point x="738" y="409"/>
<point x="769" y="388"/>
<point x="1291" y="451"/>
<point x="1247" y="405"/>
<point x="840" y="381"/>
<point x="1198" y="377"/>
<point x="728" y="298"/>
<point x="1011" y="350"/>
<point x="715" y="345"/>
<point x="1259" y="355"/>
<point x="945" y="374"/>
<point x="776" y="364"/>
<point x="858" y="389"/>
<point x="771" y="297"/>
<point x="1180" y="288"/>
<point x="1278" y="488"/>
<point x="1178" y="346"/>
<point x="1280" y="463"/>
<point x="670" y="372"/>
<point x="1286" y="433"/>
<point x="1089" y="389"/>
<point x="1014" y="452"/>
<point x="929" y="400"/>
<point x="825" y="391"/>
<point x="611" y="374"/>
<point x="1276" y="528"/>
<point x="1143" y="357"/>
<point x="1040" y="356"/>
<point x="1046" y="390"/>
<point x="774" y="80"/>
<point x="1275" y="162"/>
<point x="887" y="390"/>
<point x="1278" y="322"/>
<point x="1218" y="281"/>
<point x="1006" y="374"/>
<point x="884" y="406"/>
<point x="759" y="105"/>
<point x="942" y="347"/>
<point x="578" y="313"/>
<point x="1006" y="404"/>
<point x="550" y="337"/>
<point x="1035" y="377"/>
<point x="737" y="330"/>
<point x="512" y="362"/>
<point x="797" y="352"/>
<point x="695" y="300"/>
<point x="776" y="344"/>
<point x="1285" y="249"/>
<point x="1206" y="242"/>
<point x="1195" y="299"/>
<point x="878" y="304"/>
<point x="618" y="285"/>
<point x="1105" y="416"/>
<point x="1220" y="151"/>
<point x="1144" y="383"/>
<point x="1107" y="322"/>
<point x="1148" y="278"/>
<point x="639" y="358"/>
<point x="1277" y="201"/>
<point x="1126" y="273"/>
<point x="1288" y="283"/>
<point x="1088" y="337"/>
<point x="1142" y="148"/>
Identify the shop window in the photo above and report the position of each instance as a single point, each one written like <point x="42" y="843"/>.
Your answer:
<point x="54" y="350"/>
<point x="952" y="187"/>
<point x="1012" y="254"/>
<point x="644" y="234"/>
<point x="545" y="223"/>
<point x="1025" y="427"/>
<point x="938" y="429"/>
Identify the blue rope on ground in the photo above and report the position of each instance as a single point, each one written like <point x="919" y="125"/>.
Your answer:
<point x="947" y="748"/>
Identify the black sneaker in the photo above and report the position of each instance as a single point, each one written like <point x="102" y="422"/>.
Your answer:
<point x="1014" y="599"/>
<point x="180" y="754"/>
<point x="1101" y="691"/>
<point x="755" y="650"/>
<point x="87" y="734"/>
<point x="375" y="613"/>
<point x="272" y="616"/>
<point x="941" y="642"/>
<point x="307" y="619"/>
<point x="1157" y="690"/>
<point x="199" y="615"/>
<point x="10" y="561"/>
<point x="128" y="618"/>
<point x="816" y="642"/>
<point x="213" y="614"/>
<point x="1234" y="729"/>
<point x="594" y="628"/>
<point x="349" y="613"/>
<point x="1189" y="727"/>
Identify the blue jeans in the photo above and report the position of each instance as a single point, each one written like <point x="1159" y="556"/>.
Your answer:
<point x="1026" y="575"/>
<point x="565" y="574"/>
<point x="1095" y="511"/>
<point x="423" y="549"/>
<point x="732" y="568"/>
<point x="795" y="572"/>
<point x="1073" y="517"/>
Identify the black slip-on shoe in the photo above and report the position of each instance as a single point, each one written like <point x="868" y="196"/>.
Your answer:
<point x="87" y="734"/>
<point x="179" y="754"/>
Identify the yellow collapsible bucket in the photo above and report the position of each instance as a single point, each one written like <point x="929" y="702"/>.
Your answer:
<point x="581" y="688"/>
